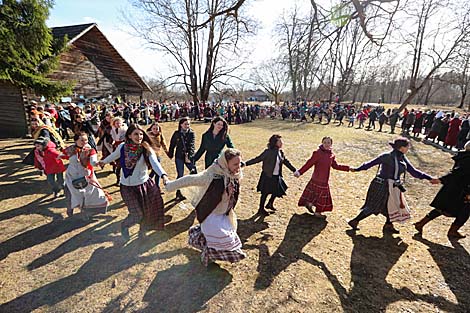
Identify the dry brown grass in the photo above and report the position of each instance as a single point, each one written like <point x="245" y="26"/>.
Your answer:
<point x="295" y="262"/>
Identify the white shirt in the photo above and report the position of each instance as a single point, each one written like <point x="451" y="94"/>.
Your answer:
<point x="278" y="165"/>
<point x="140" y="174"/>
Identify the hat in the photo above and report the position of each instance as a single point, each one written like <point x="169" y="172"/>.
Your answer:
<point x="399" y="142"/>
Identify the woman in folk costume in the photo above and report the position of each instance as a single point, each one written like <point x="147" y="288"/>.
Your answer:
<point x="214" y="193"/>
<point x="158" y="144"/>
<point x="118" y="136"/>
<point x="317" y="192"/>
<point x="105" y="143"/>
<point x="271" y="181"/>
<point x="453" y="132"/>
<point x="213" y="141"/>
<point x="140" y="193"/>
<point x="386" y="192"/>
<point x="454" y="197"/>
<point x="82" y="189"/>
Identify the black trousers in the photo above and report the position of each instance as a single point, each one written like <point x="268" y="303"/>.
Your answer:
<point x="460" y="219"/>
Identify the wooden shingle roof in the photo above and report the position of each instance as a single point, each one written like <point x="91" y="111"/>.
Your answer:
<point x="93" y="44"/>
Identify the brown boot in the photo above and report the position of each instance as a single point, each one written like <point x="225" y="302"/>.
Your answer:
<point x="454" y="234"/>
<point x="419" y="225"/>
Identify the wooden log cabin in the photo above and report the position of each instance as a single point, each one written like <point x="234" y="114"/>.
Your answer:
<point x="91" y="62"/>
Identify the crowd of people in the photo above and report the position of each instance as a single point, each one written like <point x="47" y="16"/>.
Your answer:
<point x="134" y="147"/>
<point x="448" y="129"/>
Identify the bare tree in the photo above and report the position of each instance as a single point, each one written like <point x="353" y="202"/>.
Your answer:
<point x="273" y="77"/>
<point x="200" y="36"/>
<point x="427" y="40"/>
<point x="460" y="74"/>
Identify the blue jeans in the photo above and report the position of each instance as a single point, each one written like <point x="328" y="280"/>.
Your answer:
<point x="56" y="181"/>
<point x="153" y="173"/>
<point x="180" y="167"/>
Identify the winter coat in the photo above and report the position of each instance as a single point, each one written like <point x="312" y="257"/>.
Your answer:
<point x="453" y="132"/>
<point x="46" y="160"/>
<point x="212" y="146"/>
<point x="456" y="184"/>
<point x="323" y="160"/>
<point x="183" y="143"/>
<point x="269" y="158"/>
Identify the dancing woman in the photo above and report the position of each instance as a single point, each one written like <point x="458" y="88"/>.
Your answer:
<point x="140" y="193"/>
<point x="271" y="181"/>
<point x="386" y="192"/>
<point x="454" y="197"/>
<point x="213" y="141"/>
<point x="317" y="192"/>
<point x="82" y="189"/>
<point x="214" y="194"/>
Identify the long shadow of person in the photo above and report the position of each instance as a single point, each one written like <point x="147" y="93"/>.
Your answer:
<point x="195" y="286"/>
<point x="103" y="263"/>
<point x="372" y="259"/>
<point x="300" y="231"/>
<point x="40" y="234"/>
<point x="454" y="263"/>
<point x="251" y="226"/>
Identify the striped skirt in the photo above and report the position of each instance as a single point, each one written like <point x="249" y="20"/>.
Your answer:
<point x="145" y="204"/>
<point x="377" y="197"/>
<point x="198" y="241"/>
<point x="317" y="195"/>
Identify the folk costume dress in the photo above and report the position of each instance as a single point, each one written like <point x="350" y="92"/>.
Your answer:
<point x="384" y="196"/>
<point x="105" y="143"/>
<point x="140" y="193"/>
<point x="317" y="192"/>
<point x="214" y="193"/>
<point x="81" y="162"/>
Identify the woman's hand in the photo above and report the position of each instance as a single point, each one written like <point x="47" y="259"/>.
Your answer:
<point x="145" y="145"/>
<point x="435" y="181"/>
<point x="297" y="174"/>
<point x="165" y="180"/>
<point x="352" y="170"/>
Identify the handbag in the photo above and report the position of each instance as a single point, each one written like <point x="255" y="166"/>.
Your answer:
<point x="80" y="183"/>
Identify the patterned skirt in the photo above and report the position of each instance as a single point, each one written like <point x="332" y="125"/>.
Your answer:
<point x="145" y="201"/>
<point x="198" y="241"/>
<point x="317" y="195"/>
<point x="274" y="185"/>
<point x="377" y="197"/>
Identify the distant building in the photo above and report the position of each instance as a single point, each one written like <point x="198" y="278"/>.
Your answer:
<point x="91" y="61"/>
<point x="256" y="95"/>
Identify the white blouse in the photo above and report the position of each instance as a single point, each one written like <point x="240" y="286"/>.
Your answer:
<point x="140" y="174"/>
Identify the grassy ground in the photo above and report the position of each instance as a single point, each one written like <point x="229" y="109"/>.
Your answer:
<point x="296" y="263"/>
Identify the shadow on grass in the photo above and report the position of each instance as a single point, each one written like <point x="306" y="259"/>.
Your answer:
<point x="372" y="259"/>
<point x="300" y="231"/>
<point x="103" y="263"/>
<point x="195" y="283"/>
<point x="454" y="264"/>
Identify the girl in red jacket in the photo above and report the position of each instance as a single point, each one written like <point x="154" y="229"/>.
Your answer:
<point x="317" y="191"/>
<point x="46" y="160"/>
